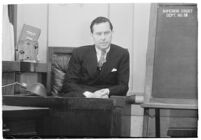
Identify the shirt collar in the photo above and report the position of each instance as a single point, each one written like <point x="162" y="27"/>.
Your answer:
<point x="98" y="51"/>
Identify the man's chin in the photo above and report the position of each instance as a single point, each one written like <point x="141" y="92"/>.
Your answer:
<point x="103" y="46"/>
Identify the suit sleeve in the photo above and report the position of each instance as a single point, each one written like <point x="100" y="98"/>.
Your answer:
<point x="123" y="77"/>
<point x="72" y="77"/>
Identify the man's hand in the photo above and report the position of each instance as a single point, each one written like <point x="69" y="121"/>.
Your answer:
<point x="102" y="93"/>
<point x="88" y="94"/>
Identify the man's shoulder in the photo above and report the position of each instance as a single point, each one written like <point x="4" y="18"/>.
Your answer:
<point x="82" y="51"/>
<point x="119" y="48"/>
<point x="83" y="48"/>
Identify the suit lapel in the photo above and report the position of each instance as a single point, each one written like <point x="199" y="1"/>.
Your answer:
<point x="92" y="62"/>
<point x="108" y="65"/>
<point x="92" y="65"/>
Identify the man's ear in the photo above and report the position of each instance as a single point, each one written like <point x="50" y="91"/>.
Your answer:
<point x="91" y="36"/>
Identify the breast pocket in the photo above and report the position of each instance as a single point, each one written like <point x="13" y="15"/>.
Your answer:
<point x="113" y="75"/>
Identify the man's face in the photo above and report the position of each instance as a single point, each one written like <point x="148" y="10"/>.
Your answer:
<point x="102" y="35"/>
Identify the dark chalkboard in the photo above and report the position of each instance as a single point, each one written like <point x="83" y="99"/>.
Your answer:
<point x="172" y="52"/>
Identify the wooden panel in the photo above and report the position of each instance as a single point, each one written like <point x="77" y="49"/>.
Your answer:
<point x="75" y="117"/>
<point x="33" y="67"/>
<point x="15" y="66"/>
<point x="53" y="52"/>
<point x="79" y="123"/>
<point x="10" y="66"/>
<point x="22" y="122"/>
<point x="8" y="78"/>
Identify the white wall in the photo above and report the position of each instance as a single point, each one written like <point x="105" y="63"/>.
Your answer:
<point x="69" y="23"/>
<point x="140" y="39"/>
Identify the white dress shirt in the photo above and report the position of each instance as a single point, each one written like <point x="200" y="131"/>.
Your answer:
<point x="98" y="53"/>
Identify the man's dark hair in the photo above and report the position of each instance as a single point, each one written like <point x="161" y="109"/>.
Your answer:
<point x="100" y="20"/>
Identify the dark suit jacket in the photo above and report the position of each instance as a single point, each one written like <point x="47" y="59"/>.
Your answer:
<point x="83" y="75"/>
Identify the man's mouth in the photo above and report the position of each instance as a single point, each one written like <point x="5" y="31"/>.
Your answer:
<point x="103" y="43"/>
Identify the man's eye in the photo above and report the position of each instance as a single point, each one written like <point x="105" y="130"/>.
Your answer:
<point x="98" y="34"/>
<point x="106" y="33"/>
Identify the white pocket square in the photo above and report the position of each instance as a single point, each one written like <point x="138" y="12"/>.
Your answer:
<point x="113" y="70"/>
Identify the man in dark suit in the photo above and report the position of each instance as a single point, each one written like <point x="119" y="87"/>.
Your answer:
<point x="99" y="70"/>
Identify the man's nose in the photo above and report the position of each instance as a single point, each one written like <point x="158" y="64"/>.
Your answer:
<point x="102" y="37"/>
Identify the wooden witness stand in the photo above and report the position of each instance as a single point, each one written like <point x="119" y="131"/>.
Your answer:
<point x="67" y="117"/>
<point x="171" y="75"/>
<point x="56" y="117"/>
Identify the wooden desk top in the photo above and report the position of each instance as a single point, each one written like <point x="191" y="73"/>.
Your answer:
<point x="17" y="108"/>
<point x="15" y="66"/>
<point x="171" y="103"/>
<point x="58" y="102"/>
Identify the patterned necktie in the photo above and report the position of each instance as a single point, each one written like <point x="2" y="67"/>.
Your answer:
<point x="102" y="59"/>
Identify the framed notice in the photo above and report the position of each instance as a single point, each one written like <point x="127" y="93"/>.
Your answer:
<point x="27" y="47"/>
